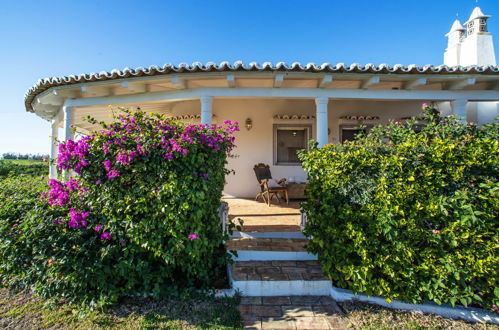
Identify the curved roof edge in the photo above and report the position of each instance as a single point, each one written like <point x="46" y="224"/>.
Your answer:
<point x="47" y="83"/>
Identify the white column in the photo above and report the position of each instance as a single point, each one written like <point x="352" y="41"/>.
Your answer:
<point x="206" y="109"/>
<point x="68" y="114"/>
<point x="68" y="133"/>
<point x="53" y="149"/>
<point x="459" y="108"/>
<point x="322" y="121"/>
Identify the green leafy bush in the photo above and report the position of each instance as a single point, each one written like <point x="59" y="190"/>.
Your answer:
<point x="139" y="218"/>
<point x="409" y="216"/>
<point x="18" y="197"/>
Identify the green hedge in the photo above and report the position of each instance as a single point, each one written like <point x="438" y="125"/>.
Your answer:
<point x="409" y="216"/>
<point x="32" y="168"/>
<point x="139" y="215"/>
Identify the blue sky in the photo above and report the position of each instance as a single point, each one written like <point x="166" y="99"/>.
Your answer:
<point x="53" y="38"/>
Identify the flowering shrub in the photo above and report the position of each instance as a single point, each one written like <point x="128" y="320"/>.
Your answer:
<point x="409" y="216"/>
<point x="140" y="216"/>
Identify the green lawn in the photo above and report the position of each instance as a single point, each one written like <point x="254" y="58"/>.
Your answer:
<point x="23" y="311"/>
<point x="21" y="161"/>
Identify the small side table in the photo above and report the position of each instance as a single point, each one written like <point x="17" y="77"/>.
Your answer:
<point x="296" y="190"/>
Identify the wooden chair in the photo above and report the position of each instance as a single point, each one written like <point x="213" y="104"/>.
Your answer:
<point x="263" y="176"/>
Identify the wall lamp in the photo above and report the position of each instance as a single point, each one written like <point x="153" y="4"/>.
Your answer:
<point x="248" y="124"/>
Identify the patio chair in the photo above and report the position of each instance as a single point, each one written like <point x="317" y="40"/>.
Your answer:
<point x="267" y="185"/>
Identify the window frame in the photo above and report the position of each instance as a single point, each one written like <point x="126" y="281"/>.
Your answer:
<point x="352" y="127"/>
<point x="289" y="127"/>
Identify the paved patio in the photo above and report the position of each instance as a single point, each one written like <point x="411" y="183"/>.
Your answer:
<point x="259" y="217"/>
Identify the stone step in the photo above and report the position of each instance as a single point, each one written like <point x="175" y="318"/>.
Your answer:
<point x="268" y="249"/>
<point x="275" y="234"/>
<point x="279" y="278"/>
<point x="267" y="244"/>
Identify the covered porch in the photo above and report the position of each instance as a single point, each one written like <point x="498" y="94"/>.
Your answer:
<point x="279" y="108"/>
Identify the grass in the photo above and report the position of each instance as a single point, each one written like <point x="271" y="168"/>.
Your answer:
<point x="21" y="161"/>
<point x="359" y="315"/>
<point x="24" y="311"/>
<point x="15" y="167"/>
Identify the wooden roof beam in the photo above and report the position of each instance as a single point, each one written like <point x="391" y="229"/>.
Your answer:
<point x="460" y="84"/>
<point x="178" y="82"/>
<point x="370" y="82"/>
<point x="96" y="91"/>
<point x="231" y="81"/>
<point x="278" y="79"/>
<point x="412" y="84"/>
<point x="326" y="80"/>
<point x="135" y="87"/>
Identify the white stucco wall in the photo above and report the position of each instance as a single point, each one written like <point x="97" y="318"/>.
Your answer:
<point x="477" y="112"/>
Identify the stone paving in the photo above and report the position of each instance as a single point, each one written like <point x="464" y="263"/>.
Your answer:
<point x="293" y="312"/>
<point x="309" y="270"/>
<point x="267" y="244"/>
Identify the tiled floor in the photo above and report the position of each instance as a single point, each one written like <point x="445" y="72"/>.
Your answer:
<point x="259" y="217"/>
<point x="293" y="312"/>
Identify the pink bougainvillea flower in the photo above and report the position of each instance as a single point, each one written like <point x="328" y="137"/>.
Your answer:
<point x="122" y="242"/>
<point x="58" y="195"/>
<point x="105" y="235"/>
<point x="107" y="164"/>
<point x="98" y="182"/>
<point x="424" y="105"/>
<point x="57" y="221"/>
<point x="73" y="185"/>
<point x="205" y="176"/>
<point x="77" y="219"/>
<point x="98" y="228"/>
<point x="317" y="201"/>
<point x="434" y="231"/>
<point x="112" y="174"/>
<point x="193" y="236"/>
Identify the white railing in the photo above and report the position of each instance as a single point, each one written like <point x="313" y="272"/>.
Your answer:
<point x="303" y="220"/>
<point x="223" y="214"/>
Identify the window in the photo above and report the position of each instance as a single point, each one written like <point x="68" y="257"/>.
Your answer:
<point x="483" y="28"/>
<point x="288" y="140"/>
<point x="348" y="132"/>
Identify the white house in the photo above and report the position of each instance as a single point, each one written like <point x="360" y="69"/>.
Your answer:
<point x="282" y="105"/>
